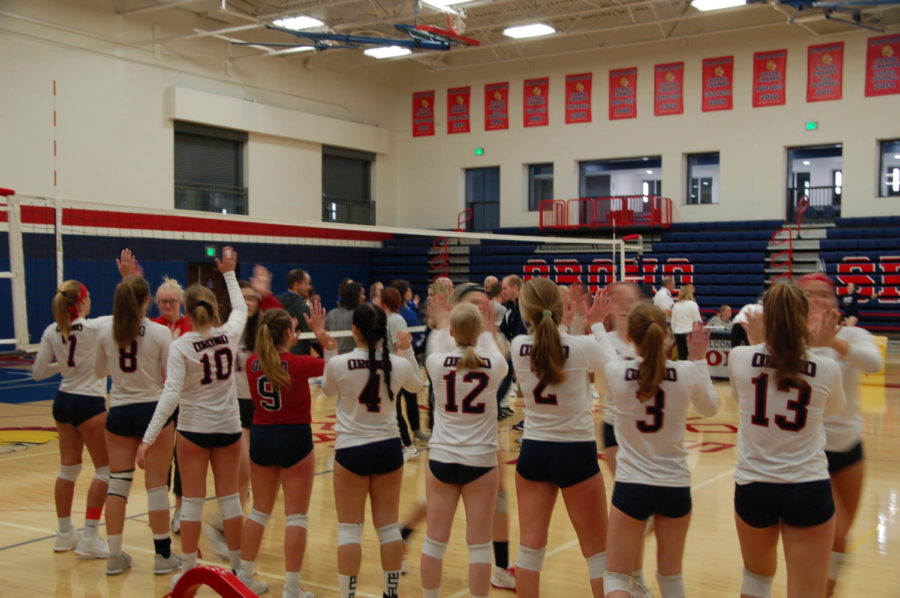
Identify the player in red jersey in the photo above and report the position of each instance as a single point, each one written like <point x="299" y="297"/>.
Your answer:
<point x="169" y="298"/>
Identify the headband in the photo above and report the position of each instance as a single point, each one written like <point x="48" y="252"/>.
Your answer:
<point x="205" y="304"/>
<point x="72" y="308"/>
<point x="464" y="289"/>
<point x="817" y="276"/>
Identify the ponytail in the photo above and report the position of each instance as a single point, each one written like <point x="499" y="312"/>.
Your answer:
<point x="202" y="307"/>
<point x="65" y="304"/>
<point x="465" y="323"/>
<point x="541" y="303"/>
<point x="271" y="330"/>
<point x="785" y="311"/>
<point x="371" y="322"/>
<point x="647" y="328"/>
<point x="128" y="309"/>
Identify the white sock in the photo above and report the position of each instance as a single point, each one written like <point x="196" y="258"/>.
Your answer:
<point x="65" y="524"/>
<point x="347" y="585"/>
<point x="431" y="593"/>
<point x="188" y="561"/>
<point x="246" y="569"/>
<point x="115" y="544"/>
<point x="292" y="580"/>
<point x="235" y="557"/>
<point x="391" y="583"/>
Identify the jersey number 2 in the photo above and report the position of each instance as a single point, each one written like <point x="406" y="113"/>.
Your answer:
<point x="656" y="410"/>
<point x="798" y="405"/>
<point x="223" y="360"/>
<point x="481" y="381"/>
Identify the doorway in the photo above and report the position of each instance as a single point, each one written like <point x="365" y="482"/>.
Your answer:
<point x="483" y="197"/>
<point x="816" y="174"/>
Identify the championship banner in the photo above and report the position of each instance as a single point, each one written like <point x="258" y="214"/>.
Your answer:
<point x="825" y="72"/>
<point x="718" y="83"/>
<point x="423" y="113"/>
<point x="668" y="89"/>
<point x="496" y="106"/>
<point x="535" y="103"/>
<point x="458" y="110"/>
<point x="883" y="65"/>
<point x="623" y="93"/>
<point x="769" y="70"/>
<point x="578" y="98"/>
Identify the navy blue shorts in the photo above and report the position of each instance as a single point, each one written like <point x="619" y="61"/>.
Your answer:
<point x="456" y="473"/>
<point x="381" y="457"/>
<point x="562" y="463"/>
<point x="640" y="501"/>
<point x="75" y="409"/>
<point x="131" y="420"/>
<point x="211" y="440"/>
<point x="246" y="408"/>
<point x="838" y="461"/>
<point x="804" y="504"/>
<point x="609" y="436"/>
<point x="280" y="445"/>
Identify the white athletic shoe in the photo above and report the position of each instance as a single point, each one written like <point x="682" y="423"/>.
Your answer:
<point x="503" y="579"/>
<point x="639" y="590"/>
<point x="66" y="541"/>
<point x="257" y="586"/>
<point x="410" y="452"/>
<point x="164" y="566"/>
<point x="92" y="547"/>
<point x="404" y="566"/>
<point x="296" y="593"/>
<point x="216" y="539"/>
<point x="176" y="521"/>
<point x="118" y="563"/>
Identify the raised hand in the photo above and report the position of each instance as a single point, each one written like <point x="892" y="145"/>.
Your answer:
<point x="261" y="280"/>
<point x="488" y="316"/>
<point x="698" y="342"/>
<point x="315" y="319"/>
<point x="128" y="264"/>
<point x="404" y="341"/>
<point x="823" y="326"/>
<point x="229" y="260"/>
<point x="599" y="308"/>
<point x="439" y="310"/>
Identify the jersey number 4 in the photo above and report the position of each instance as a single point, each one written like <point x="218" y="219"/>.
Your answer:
<point x="656" y="411"/>
<point x="481" y="381"/>
<point x="223" y="360"/>
<point x="271" y="398"/>
<point x="798" y="405"/>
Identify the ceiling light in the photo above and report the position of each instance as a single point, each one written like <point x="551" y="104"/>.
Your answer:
<point x="298" y="23"/>
<point x="896" y="156"/>
<point x="649" y="172"/>
<point x="806" y="162"/>
<point x="531" y="30"/>
<point x="441" y="4"/>
<point x="704" y="5"/>
<point x="387" y="52"/>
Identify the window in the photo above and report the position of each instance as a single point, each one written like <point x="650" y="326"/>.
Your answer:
<point x="621" y="176"/>
<point x="703" y="178"/>
<point x="209" y="169"/>
<point x="889" y="184"/>
<point x="540" y="185"/>
<point x="347" y="186"/>
<point x="483" y="198"/>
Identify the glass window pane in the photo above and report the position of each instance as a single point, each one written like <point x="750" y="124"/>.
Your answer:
<point x="703" y="178"/>
<point x="889" y="173"/>
<point x="540" y="184"/>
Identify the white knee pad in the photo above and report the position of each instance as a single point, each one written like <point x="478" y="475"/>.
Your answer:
<point x="480" y="554"/>
<point x="158" y="498"/>
<point x="102" y="474"/>
<point x="616" y="582"/>
<point x="530" y="558"/>
<point x="69" y="472"/>
<point x="434" y="549"/>
<point x="671" y="586"/>
<point x="191" y="508"/>
<point x="759" y="586"/>
<point x="349" y="533"/>
<point x="597" y="565"/>
<point x="389" y="533"/>
<point x="230" y="506"/>
<point x="297" y="520"/>
<point x="834" y="566"/>
<point x="120" y="483"/>
<point x="501" y="506"/>
<point x="258" y="517"/>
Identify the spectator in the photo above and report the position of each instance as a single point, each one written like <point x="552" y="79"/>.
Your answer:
<point x="299" y="291"/>
<point x="341" y="317"/>
<point x="663" y="298"/>
<point x="375" y="293"/>
<point x="722" y="319"/>
<point x="684" y="313"/>
<point x="850" y="304"/>
<point x="494" y="290"/>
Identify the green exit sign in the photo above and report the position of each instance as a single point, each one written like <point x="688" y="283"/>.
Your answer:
<point x="479" y="151"/>
<point x="210" y="251"/>
<point x="812" y="125"/>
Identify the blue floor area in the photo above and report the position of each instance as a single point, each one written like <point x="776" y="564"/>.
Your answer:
<point x="17" y="385"/>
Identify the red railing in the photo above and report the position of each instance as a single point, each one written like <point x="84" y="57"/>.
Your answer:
<point x="607" y="212"/>
<point x="788" y="254"/>
<point x="462" y="218"/>
<point x="219" y="580"/>
<point x="440" y="252"/>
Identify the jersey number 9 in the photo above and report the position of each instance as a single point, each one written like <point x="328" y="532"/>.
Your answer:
<point x="271" y="398"/>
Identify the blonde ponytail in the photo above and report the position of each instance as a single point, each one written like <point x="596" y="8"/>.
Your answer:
<point x="128" y="303"/>
<point x="541" y="304"/>
<point x="65" y="305"/>
<point x="465" y="323"/>
<point x="647" y="328"/>
<point x="785" y="311"/>
<point x="202" y="307"/>
<point x="271" y="330"/>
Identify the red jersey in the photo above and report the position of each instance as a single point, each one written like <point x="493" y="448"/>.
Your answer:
<point x="178" y="327"/>
<point x="289" y="405"/>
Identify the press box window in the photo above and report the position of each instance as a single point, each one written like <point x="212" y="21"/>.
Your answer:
<point x="889" y="171"/>
<point x="703" y="178"/>
<point x="540" y="185"/>
<point x="209" y="169"/>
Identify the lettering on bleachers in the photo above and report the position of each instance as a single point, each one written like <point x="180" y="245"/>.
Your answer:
<point x="870" y="276"/>
<point x="600" y="272"/>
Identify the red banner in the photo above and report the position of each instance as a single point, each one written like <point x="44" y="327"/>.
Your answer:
<point x="668" y="89"/>
<point x="825" y="72"/>
<point x="883" y="65"/>
<point x="458" y="110"/>
<point x="578" y="98"/>
<point x="769" y="70"/>
<point x="423" y="113"/>
<point x="535" y="103"/>
<point x="718" y="83"/>
<point x="623" y="93"/>
<point x="496" y="106"/>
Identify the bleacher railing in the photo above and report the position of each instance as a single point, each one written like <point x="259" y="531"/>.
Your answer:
<point x="822" y="205"/>
<point x="616" y="211"/>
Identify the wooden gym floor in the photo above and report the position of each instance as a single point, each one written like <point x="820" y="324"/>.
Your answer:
<point x="712" y="567"/>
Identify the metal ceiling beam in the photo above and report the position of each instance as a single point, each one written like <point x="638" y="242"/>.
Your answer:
<point x="154" y="7"/>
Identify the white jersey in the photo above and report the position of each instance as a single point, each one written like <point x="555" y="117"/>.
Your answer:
<point x="781" y="436"/>
<point x="200" y="376"/>
<point x="663" y="299"/>
<point x="651" y="433"/>
<point x="465" y="408"/>
<point x="72" y="358"/>
<point x="440" y="341"/>
<point x="241" y="385"/>
<point x="137" y="370"/>
<point x="624" y="350"/>
<point x="844" y="430"/>
<point x="561" y="412"/>
<point x="347" y="376"/>
<point x="684" y="314"/>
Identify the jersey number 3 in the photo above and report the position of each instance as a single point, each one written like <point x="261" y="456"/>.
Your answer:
<point x="798" y="405"/>
<point x="655" y="410"/>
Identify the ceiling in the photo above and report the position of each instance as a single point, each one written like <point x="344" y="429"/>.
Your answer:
<point x="582" y="25"/>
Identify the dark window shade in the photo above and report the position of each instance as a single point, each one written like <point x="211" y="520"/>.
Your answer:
<point x="207" y="160"/>
<point x="345" y="178"/>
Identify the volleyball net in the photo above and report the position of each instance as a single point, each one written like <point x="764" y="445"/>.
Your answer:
<point x="51" y="240"/>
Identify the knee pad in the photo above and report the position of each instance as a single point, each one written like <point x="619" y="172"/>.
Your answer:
<point x="616" y="582"/>
<point x="191" y="508"/>
<point x="102" y="474"/>
<point x="389" y="533"/>
<point x="834" y="565"/>
<point x="158" y="499"/>
<point x="297" y="520"/>
<point x="530" y="558"/>
<point x="434" y="549"/>
<point x="759" y="586"/>
<point x="480" y="553"/>
<point x="349" y="533"/>
<point x="597" y="565"/>
<point x="258" y="517"/>
<point x="69" y="472"/>
<point x="120" y="483"/>
<point x="671" y="586"/>
<point x="230" y="506"/>
<point x="500" y="506"/>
